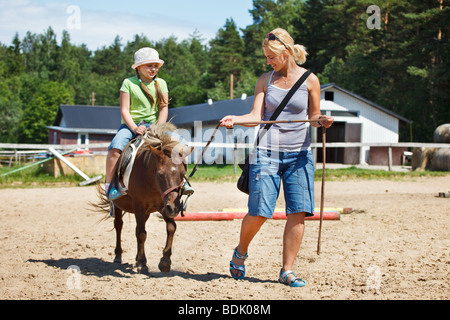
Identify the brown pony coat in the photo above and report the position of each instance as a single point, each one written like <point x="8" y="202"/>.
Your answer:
<point x="158" y="167"/>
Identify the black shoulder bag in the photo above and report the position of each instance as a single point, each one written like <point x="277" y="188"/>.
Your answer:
<point x="242" y="183"/>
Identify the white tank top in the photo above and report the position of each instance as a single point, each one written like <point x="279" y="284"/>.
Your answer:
<point x="286" y="137"/>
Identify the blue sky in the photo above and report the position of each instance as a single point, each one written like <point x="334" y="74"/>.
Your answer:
<point x="97" y="22"/>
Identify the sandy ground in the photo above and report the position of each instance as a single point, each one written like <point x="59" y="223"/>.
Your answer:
<point x="395" y="247"/>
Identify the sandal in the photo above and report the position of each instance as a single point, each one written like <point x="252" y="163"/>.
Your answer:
<point x="294" y="282"/>
<point x="240" y="268"/>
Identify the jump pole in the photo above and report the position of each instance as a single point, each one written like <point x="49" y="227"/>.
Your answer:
<point x="74" y="168"/>
<point x="34" y="164"/>
<point x="224" y="216"/>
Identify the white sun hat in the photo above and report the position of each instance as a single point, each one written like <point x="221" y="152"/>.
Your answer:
<point x="146" y="56"/>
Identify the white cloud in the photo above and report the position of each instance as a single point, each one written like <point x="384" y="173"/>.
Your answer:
<point x="95" y="29"/>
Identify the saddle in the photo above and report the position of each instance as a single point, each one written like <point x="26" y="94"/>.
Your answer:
<point x="122" y="175"/>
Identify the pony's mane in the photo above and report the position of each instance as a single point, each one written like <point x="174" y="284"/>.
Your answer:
<point x="158" y="137"/>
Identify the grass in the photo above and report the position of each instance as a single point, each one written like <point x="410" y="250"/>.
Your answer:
<point x="36" y="177"/>
<point x="225" y="173"/>
<point x="353" y="173"/>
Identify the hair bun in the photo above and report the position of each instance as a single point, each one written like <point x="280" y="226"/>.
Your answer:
<point x="300" y="54"/>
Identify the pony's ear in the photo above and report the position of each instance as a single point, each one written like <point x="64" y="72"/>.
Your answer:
<point x="156" y="152"/>
<point x="186" y="151"/>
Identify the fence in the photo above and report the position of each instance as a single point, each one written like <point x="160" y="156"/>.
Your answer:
<point x="18" y="149"/>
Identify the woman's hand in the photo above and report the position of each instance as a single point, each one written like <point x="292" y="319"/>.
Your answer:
<point x="227" y="122"/>
<point x="326" y="121"/>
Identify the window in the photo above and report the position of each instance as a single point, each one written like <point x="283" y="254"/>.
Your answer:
<point x="344" y="114"/>
<point x="329" y="95"/>
<point x="83" y="138"/>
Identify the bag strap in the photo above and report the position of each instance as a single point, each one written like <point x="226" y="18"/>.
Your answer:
<point x="283" y="104"/>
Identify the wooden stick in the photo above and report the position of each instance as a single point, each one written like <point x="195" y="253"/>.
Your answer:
<point x="272" y="122"/>
<point x="324" y="138"/>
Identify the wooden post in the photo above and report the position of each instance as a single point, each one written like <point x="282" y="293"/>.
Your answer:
<point x="390" y="158"/>
<point x="231" y="86"/>
<point x="235" y="155"/>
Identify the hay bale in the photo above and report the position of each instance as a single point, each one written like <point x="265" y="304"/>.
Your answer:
<point x="431" y="159"/>
<point x="442" y="134"/>
<point x="416" y="159"/>
<point x="441" y="160"/>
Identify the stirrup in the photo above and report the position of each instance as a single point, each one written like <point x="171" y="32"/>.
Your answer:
<point x="187" y="190"/>
<point x="294" y="282"/>
<point x="112" y="210"/>
<point x="235" y="267"/>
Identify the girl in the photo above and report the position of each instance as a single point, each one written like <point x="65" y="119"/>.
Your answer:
<point x="144" y="99"/>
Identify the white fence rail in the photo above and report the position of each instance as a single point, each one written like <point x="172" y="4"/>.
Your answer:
<point x="45" y="147"/>
<point x="17" y="149"/>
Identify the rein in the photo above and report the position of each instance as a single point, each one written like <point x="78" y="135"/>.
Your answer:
<point x="194" y="170"/>
<point x="239" y="123"/>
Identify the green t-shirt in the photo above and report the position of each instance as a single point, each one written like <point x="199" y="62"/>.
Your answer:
<point x="140" y="106"/>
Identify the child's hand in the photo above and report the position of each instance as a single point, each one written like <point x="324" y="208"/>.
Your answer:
<point x="141" y="130"/>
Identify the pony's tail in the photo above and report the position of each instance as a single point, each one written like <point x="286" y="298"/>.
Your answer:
<point x="103" y="205"/>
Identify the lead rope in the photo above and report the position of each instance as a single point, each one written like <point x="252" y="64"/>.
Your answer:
<point x="203" y="153"/>
<point x="184" y="204"/>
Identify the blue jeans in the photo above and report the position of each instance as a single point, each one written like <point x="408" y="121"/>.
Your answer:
<point x="294" y="169"/>
<point x="124" y="135"/>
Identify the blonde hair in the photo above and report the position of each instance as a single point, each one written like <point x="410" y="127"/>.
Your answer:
<point x="298" y="51"/>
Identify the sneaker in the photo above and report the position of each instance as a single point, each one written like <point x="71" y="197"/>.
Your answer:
<point x="114" y="194"/>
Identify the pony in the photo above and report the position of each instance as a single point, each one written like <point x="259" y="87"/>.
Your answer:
<point x="155" y="185"/>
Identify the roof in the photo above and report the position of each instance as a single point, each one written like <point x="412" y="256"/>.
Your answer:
<point x="373" y="104"/>
<point x="209" y="113"/>
<point x="88" y="117"/>
<point x="100" y="118"/>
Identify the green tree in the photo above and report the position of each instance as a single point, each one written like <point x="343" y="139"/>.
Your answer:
<point x="227" y="56"/>
<point x="426" y="62"/>
<point x="41" y="111"/>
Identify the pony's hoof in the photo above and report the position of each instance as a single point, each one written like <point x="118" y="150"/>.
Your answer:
<point x="164" y="265"/>
<point x="118" y="259"/>
<point x="141" y="269"/>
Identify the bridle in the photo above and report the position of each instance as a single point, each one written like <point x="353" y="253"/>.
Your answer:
<point x="179" y="189"/>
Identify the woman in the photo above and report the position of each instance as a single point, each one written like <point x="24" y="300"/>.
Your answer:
<point x="283" y="154"/>
<point x="144" y="99"/>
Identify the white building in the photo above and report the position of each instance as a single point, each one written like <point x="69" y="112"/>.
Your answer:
<point x="356" y="120"/>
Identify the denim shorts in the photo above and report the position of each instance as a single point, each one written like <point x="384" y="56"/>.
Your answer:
<point x="294" y="169"/>
<point x="123" y="136"/>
